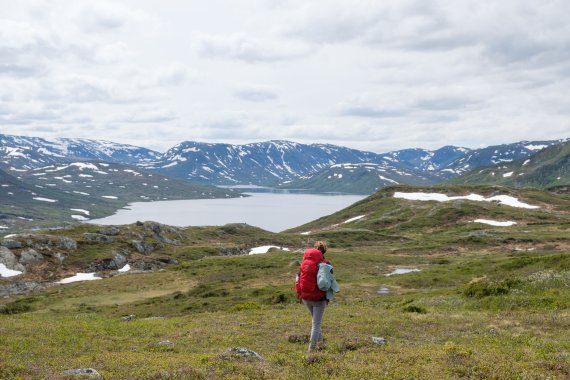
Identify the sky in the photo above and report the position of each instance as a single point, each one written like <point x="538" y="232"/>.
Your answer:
<point x="371" y="75"/>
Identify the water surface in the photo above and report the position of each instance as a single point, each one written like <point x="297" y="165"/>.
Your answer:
<point x="271" y="211"/>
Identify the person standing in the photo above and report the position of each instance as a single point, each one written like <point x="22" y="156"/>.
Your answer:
<point x="312" y="297"/>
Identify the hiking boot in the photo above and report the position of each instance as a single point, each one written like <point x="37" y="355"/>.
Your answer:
<point x="312" y="346"/>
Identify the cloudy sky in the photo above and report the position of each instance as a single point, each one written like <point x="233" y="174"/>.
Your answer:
<point x="372" y="75"/>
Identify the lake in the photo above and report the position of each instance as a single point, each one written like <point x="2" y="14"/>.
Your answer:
<point x="271" y="211"/>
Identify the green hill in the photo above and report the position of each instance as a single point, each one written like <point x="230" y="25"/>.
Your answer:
<point x="549" y="167"/>
<point x="56" y="196"/>
<point x="471" y="300"/>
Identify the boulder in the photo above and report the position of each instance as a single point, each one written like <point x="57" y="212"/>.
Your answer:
<point x="30" y="256"/>
<point x="7" y="258"/>
<point x="98" y="238"/>
<point x="148" y="265"/>
<point x="67" y="243"/>
<point x="89" y="373"/>
<point x="109" y="231"/>
<point x="379" y="340"/>
<point x="10" y="243"/>
<point x="18" y="288"/>
<point x="241" y="352"/>
<point x="116" y="262"/>
<point x="142" y="247"/>
<point x="60" y="256"/>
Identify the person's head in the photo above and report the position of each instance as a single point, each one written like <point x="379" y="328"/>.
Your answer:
<point x="321" y="246"/>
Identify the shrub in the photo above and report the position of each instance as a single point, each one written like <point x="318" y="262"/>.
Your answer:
<point x="17" y="307"/>
<point x="485" y="288"/>
<point x="414" y="309"/>
<point x="246" y="306"/>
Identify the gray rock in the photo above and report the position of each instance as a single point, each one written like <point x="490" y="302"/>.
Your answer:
<point x="9" y="243"/>
<point x="98" y="238"/>
<point x="232" y="251"/>
<point x="83" y="372"/>
<point x="142" y="247"/>
<point x="19" y="288"/>
<point x="30" y="256"/>
<point x="60" y="256"/>
<point x="120" y="259"/>
<point x="127" y="318"/>
<point x="241" y="352"/>
<point x="379" y="340"/>
<point x="67" y="243"/>
<point x="109" y="231"/>
<point x="148" y="265"/>
<point x="166" y="344"/>
<point x="102" y="265"/>
<point x="7" y="258"/>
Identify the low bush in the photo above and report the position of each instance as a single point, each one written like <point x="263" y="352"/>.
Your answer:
<point x="485" y="288"/>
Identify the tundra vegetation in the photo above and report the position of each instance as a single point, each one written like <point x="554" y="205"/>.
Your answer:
<point x="487" y="301"/>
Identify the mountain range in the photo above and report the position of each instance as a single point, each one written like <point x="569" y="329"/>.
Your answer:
<point x="546" y="169"/>
<point x="285" y="164"/>
<point x="45" y="183"/>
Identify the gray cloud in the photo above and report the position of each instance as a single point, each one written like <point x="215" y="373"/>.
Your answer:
<point x="251" y="50"/>
<point x="401" y="73"/>
<point x="255" y="93"/>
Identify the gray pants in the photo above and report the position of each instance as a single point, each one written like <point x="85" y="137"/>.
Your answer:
<point x="317" y="310"/>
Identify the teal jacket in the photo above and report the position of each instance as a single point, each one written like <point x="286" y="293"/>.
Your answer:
<point x="326" y="281"/>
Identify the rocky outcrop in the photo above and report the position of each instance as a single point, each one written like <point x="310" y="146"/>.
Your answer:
<point x="40" y="242"/>
<point x="142" y="247"/>
<point x="19" y="288"/>
<point x="232" y="251"/>
<point x="116" y="262"/>
<point x="109" y="231"/>
<point x="11" y="244"/>
<point x="9" y="260"/>
<point x="98" y="238"/>
<point x="30" y="256"/>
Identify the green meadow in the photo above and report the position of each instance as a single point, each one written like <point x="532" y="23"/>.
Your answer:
<point x="487" y="302"/>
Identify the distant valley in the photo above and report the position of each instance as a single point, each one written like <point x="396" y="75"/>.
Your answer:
<point x="44" y="183"/>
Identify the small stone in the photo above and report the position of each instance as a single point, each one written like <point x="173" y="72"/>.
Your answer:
<point x="83" y="372"/>
<point x="130" y="317"/>
<point x="166" y="344"/>
<point x="241" y="352"/>
<point x="379" y="340"/>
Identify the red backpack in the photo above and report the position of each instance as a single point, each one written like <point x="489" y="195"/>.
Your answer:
<point x="306" y="284"/>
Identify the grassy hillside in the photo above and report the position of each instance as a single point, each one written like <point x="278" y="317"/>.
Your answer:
<point x="55" y="196"/>
<point x="548" y="168"/>
<point x="360" y="178"/>
<point x="487" y="301"/>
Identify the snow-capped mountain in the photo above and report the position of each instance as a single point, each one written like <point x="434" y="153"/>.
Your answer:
<point x="496" y="154"/>
<point x="360" y="178"/>
<point x="23" y="153"/>
<point x="266" y="163"/>
<point x="294" y="165"/>
<point x="270" y="163"/>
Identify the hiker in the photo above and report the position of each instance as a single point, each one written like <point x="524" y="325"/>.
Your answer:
<point x="314" y="298"/>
